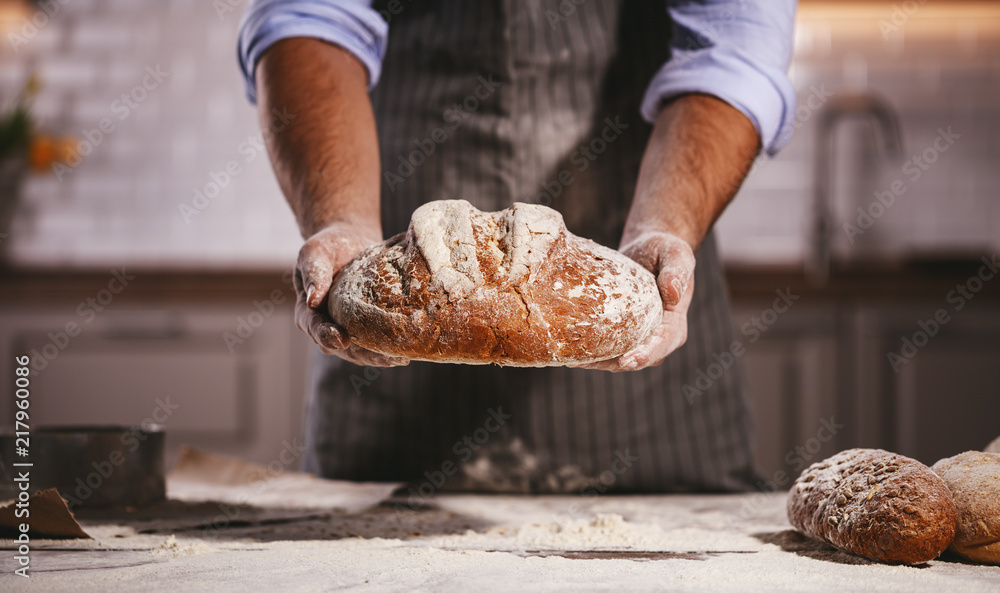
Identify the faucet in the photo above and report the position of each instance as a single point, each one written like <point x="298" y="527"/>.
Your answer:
<point x="883" y="117"/>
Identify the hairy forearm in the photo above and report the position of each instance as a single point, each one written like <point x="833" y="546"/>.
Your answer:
<point x="699" y="153"/>
<point x="326" y="159"/>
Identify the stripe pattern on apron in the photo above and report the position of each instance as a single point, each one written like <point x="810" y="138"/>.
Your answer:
<point x="500" y="101"/>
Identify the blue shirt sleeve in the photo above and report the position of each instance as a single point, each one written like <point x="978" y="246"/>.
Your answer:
<point x="738" y="51"/>
<point x="351" y="24"/>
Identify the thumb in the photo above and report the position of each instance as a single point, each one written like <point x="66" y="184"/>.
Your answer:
<point x="670" y="258"/>
<point x="316" y="268"/>
<point x="673" y="281"/>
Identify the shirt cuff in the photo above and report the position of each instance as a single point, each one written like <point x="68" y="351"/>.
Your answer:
<point x="765" y="95"/>
<point x="353" y="26"/>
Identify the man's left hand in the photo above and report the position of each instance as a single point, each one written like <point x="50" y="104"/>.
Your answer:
<point x="671" y="260"/>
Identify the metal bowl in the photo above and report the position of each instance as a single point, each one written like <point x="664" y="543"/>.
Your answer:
<point x="91" y="466"/>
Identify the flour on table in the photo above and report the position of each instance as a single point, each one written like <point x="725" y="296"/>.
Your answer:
<point x="605" y="531"/>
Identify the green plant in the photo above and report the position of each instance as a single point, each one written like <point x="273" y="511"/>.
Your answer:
<point x="16" y="125"/>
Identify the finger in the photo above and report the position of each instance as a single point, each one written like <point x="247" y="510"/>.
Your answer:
<point x="675" y="274"/>
<point x="612" y="364"/>
<point x="317" y="325"/>
<point x="669" y="258"/>
<point x="316" y="267"/>
<point x="327" y="334"/>
<point x="672" y="283"/>
<point x="360" y="356"/>
<point x="301" y="308"/>
<point x="668" y="336"/>
<point x="298" y="284"/>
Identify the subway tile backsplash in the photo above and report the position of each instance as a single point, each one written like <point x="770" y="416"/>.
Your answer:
<point x="939" y="73"/>
<point x="121" y="204"/>
<point x="165" y="75"/>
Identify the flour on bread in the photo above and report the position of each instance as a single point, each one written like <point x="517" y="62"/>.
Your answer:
<point x="513" y="287"/>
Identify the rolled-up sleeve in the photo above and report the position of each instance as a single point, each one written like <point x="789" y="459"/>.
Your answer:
<point x="351" y="24"/>
<point x="738" y="51"/>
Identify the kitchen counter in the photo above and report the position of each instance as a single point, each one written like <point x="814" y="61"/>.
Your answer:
<point x="473" y="543"/>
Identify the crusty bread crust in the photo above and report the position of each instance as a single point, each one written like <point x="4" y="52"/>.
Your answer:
<point x="974" y="481"/>
<point x="875" y="504"/>
<point x="511" y="288"/>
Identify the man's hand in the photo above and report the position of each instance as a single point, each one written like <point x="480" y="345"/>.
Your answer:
<point x="327" y="164"/>
<point x="671" y="260"/>
<point x="698" y="155"/>
<point x="322" y="256"/>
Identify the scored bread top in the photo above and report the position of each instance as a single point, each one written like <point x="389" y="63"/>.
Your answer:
<point x="512" y="287"/>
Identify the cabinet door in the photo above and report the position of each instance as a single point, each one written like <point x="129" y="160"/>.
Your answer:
<point x="792" y="385"/>
<point x="944" y="398"/>
<point x="184" y="381"/>
<point x="170" y="367"/>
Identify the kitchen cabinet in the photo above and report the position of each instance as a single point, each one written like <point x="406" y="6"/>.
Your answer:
<point x="827" y="358"/>
<point x="819" y="378"/>
<point x="943" y="400"/>
<point x="792" y="382"/>
<point x="219" y="367"/>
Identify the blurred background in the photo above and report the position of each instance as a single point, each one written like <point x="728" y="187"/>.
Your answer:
<point x="146" y="243"/>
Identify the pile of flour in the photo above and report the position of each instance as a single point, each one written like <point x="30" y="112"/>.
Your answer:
<point x="603" y="531"/>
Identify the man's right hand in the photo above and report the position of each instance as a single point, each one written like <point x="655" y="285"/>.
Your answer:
<point x="323" y="256"/>
<point x="327" y="164"/>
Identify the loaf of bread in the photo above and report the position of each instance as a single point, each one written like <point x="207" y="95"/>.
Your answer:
<point x="511" y="288"/>
<point x="974" y="481"/>
<point x="875" y="504"/>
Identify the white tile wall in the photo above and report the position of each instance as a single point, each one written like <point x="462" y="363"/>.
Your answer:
<point x="940" y="76"/>
<point x="121" y="205"/>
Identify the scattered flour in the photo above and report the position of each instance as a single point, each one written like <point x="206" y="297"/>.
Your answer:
<point x="487" y="560"/>
<point x="604" y="531"/>
<point x="172" y="548"/>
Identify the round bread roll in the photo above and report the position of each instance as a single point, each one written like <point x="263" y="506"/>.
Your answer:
<point x="511" y="288"/>
<point x="875" y="504"/>
<point x="974" y="481"/>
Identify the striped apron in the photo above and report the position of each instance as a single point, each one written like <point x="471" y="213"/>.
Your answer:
<point x="498" y="101"/>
